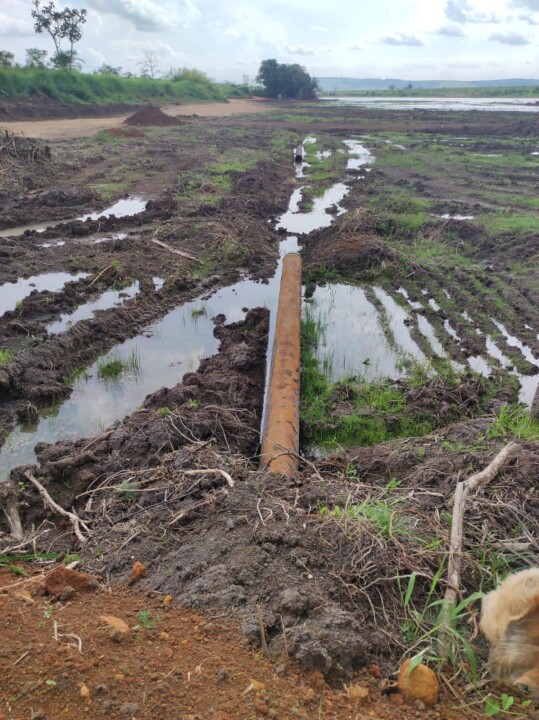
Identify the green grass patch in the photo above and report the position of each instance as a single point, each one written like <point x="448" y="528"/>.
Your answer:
<point x="510" y="222"/>
<point x="80" y="88"/>
<point x="6" y="356"/>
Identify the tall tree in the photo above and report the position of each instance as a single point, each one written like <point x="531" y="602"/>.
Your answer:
<point x="148" y="66"/>
<point x="60" y="25"/>
<point x="289" y="81"/>
<point x="35" y="58"/>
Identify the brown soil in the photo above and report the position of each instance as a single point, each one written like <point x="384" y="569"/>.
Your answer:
<point x="151" y="115"/>
<point x="124" y="132"/>
<point x="176" y="664"/>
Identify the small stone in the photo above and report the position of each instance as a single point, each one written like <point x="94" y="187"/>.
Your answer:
<point x="222" y="675"/>
<point x="119" y="629"/>
<point x="138" y="572"/>
<point x="420" y="684"/>
<point x="164" y="636"/>
<point x="396" y="699"/>
<point x="358" y="693"/>
<point x="101" y="689"/>
<point x="420" y="705"/>
<point x="375" y="672"/>
<point x="167" y="600"/>
<point x="84" y="691"/>
<point x="257" y="686"/>
<point x="261" y="707"/>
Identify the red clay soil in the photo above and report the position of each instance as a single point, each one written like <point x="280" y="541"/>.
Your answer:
<point x="152" y="115"/>
<point x="76" y="658"/>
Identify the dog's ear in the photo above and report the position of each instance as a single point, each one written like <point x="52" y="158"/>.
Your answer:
<point x="528" y="622"/>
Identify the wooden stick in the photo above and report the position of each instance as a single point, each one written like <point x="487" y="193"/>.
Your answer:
<point x="75" y="519"/>
<point x="462" y="491"/>
<point x="213" y="471"/>
<point x="173" y="250"/>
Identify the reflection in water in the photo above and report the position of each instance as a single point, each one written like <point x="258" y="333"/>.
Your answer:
<point x="12" y="293"/>
<point x="121" y="208"/>
<point x="107" y="300"/>
<point x="437" y="103"/>
<point x="354" y="341"/>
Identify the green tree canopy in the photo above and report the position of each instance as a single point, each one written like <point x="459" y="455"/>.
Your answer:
<point x="288" y="81"/>
<point x="6" y="58"/>
<point x="36" y="58"/>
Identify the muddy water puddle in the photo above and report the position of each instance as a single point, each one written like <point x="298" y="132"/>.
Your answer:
<point x="121" y="208"/>
<point x="13" y="293"/>
<point x="108" y="300"/>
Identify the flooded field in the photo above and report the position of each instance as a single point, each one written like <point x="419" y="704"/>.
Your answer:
<point x="136" y="344"/>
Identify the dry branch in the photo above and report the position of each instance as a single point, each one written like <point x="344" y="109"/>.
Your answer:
<point x="74" y="519"/>
<point x="462" y="491"/>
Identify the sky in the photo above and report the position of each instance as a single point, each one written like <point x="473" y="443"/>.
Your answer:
<point x="227" y="39"/>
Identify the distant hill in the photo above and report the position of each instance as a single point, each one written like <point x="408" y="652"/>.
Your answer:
<point x="330" y="84"/>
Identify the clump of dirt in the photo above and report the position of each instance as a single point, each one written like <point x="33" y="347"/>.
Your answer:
<point x="349" y="247"/>
<point x="123" y="132"/>
<point x="22" y="148"/>
<point x="152" y="116"/>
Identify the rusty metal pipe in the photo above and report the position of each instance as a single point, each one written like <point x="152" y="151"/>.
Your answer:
<point x="280" y="435"/>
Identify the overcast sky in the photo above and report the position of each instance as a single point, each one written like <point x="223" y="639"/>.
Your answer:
<point x="409" y="39"/>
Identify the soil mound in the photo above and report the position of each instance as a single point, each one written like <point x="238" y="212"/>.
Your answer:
<point x="152" y="115"/>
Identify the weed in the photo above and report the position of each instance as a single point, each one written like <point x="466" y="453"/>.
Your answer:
<point x="146" y="619"/>
<point x="164" y="411"/>
<point x="193" y="403"/>
<point x="515" y="422"/>
<point x="199" y="312"/>
<point x="6" y="356"/>
<point x="112" y="368"/>
<point x="129" y="488"/>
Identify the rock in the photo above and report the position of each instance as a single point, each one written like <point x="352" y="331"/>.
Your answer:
<point x="119" y="629"/>
<point x="138" y="572"/>
<point x="420" y="684"/>
<point x="61" y="578"/>
<point x="222" y="675"/>
<point x="84" y="691"/>
<point x="359" y="693"/>
<point x="261" y="707"/>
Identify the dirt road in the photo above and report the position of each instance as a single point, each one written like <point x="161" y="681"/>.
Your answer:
<point x="66" y="129"/>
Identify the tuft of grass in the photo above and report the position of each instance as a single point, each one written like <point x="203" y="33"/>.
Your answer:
<point x="6" y="356"/>
<point x="515" y="422"/>
<point x="199" y="312"/>
<point x="112" y="368"/>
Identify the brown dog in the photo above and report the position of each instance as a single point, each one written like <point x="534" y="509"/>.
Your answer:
<point x="510" y="622"/>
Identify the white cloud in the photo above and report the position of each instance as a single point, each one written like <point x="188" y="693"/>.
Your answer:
<point x="298" y="50"/>
<point x="147" y="15"/>
<point x="318" y="28"/>
<point x="450" y="31"/>
<point x="529" y="18"/>
<point x="510" y="38"/>
<point x="528" y="4"/>
<point x="462" y="11"/>
<point x="402" y="39"/>
<point x="14" y="26"/>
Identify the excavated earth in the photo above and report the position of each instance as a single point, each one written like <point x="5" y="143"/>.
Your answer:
<point x="265" y="594"/>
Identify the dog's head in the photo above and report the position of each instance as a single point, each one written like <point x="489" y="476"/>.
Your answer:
<point x="510" y="621"/>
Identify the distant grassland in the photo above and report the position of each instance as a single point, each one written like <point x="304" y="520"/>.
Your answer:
<point x="531" y="91"/>
<point x="79" y="88"/>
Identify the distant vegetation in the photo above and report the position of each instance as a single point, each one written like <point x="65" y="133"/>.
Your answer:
<point x="531" y="91"/>
<point x="287" y="81"/>
<point x="74" y="87"/>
